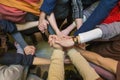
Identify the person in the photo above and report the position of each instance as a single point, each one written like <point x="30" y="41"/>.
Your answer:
<point x="12" y="14"/>
<point x="9" y="27"/>
<point x="21" y="59"/>
<point x="78" y="61"/>
<point x="98" y="15"/>
<point x="11" y="68"/>
<point x="60" y="13"/>
<point x="101" y="54"/>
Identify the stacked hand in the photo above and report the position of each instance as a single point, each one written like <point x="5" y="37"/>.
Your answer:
<point x="64" y="41"/>
<point x="52" y="39"/>
<point x="29" y="50"/>
<point x="43" y="23"/>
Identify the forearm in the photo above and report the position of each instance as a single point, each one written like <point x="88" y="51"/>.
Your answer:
<point x="56" y="69"/>
<point x="42" y="15"/>
<point x="77" y="12"/>
<point x="53" y="22"/>
<point x="90" y="35"/>
<point x="104" y="31"/>
<point x="40" y="61"/>
<point x="19" y="39"/>
<point x="80" y="63"/>
<point x="110" y="30"/>
<point x="99" y="14"/>
<point x="71" y="27"/>
<point x="79" y="22"/>
<point x="106" y="63"/>
<point x="16" y="58"/>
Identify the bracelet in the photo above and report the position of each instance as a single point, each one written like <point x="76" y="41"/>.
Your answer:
<point x="75" y="39"/>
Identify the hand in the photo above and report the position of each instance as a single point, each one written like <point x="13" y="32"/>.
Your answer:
<point x="29" y="50"/>
<point x="42" y="25"/>
<point x="52" y="43"/>
<point x="65" y="41"/>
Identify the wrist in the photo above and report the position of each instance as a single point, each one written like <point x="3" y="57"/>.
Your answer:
<point x="76" y="40"/>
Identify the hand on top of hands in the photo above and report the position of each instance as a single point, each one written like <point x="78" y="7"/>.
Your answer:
<point x="64" y="41"/>
<point x="52" y="39"/>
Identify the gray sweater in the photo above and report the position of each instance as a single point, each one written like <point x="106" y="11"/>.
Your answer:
<point x="110" y="30"/>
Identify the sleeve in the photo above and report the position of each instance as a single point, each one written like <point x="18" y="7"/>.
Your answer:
<point x="48" y="6"/>
<point x="8" y="26"/>
<point x="98" y="15"/>
<point x="104" y="31"/>
<point x="14" y="72"/>
<point x="18" y="37"/>
<point x="77" y="9"/>
<point x="90" y="35"/>
<point x="16" y="58"/>
<point x="110" y="30"/>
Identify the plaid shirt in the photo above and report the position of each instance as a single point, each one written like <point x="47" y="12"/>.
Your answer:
<point x="77" y="9"/>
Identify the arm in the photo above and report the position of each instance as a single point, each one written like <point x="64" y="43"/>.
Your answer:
<point x="82" y="65"/>
<point x="53" y="23"/>
<point x="43" y="23"/>
<point x="77" y="12"/>
<point x="10" y="27"/>
<point x="110" y="30"/>
<point x="16" y="58"/>
<point x="106" y="63"/>
<point x="104" y="31"/>
<point x="67" y="30"/>
<point x="98" y="15"/>
<point x="56" y="69"/>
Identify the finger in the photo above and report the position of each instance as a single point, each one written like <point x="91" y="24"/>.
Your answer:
<point x="47" y="22"/>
